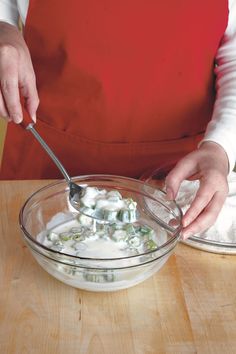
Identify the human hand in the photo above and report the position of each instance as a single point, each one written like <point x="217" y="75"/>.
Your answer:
<point x="17" y="76"/>
<point x="208" y="164"/>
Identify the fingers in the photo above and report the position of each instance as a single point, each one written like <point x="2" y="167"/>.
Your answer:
<point x="210" y="167"/>
<point x="29" y="92"/>
<point x="9" y="83"/>
<point x="207" y="217"/>
<point x="201" y="200"/>
<point x="16" y="78"/>
<point x="184" y="168"/>
<point x="206" y="205"/>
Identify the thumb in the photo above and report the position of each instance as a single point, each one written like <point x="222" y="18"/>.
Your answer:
<point x="185" y="168"/>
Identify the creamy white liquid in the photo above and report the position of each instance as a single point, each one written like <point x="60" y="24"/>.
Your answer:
<point x="96" y="244"/>
<point x="101" y="248"/>
<point x="93" y="246"/>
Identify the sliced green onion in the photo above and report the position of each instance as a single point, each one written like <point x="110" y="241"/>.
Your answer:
<point x="65" y="236"/>
<point x="130" y="229"/>
<point x="150" y="245"/>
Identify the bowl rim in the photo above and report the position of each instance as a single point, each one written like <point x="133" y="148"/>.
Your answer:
<point x="175" y="236"/>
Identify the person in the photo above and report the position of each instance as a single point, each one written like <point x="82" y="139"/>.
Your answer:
<point x="124" y="86"/>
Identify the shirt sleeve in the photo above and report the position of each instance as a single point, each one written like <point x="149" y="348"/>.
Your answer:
<point x="9" y="12"/>
<point x="222" y="127"/>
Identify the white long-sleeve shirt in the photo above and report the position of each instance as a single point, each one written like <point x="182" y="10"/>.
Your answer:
<point x="222" y="127"/>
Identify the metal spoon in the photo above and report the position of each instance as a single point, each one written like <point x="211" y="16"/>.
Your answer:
<point x="76" y="191"/>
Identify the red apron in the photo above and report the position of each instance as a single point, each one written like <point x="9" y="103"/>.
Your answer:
<point x="123" y="85"/>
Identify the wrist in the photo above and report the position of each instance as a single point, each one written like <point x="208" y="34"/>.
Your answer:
<point x="216" y="151"/>
<point x="6" y="26"/>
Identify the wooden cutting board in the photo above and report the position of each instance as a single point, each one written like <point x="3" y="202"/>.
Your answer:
<point x="189" y="306"/>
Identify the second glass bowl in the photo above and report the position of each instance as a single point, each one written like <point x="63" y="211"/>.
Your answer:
<point x="215" y="238"/>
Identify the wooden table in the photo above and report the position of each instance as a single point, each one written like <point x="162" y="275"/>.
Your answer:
<point x="189" y="306"/>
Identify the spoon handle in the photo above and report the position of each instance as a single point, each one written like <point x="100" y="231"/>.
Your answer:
<point x="28" y="124"/>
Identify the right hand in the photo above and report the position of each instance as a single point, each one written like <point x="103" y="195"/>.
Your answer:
<point x="17" y="77"/>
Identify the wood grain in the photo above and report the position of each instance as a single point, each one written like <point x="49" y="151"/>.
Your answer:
<point x="189" y="306"/>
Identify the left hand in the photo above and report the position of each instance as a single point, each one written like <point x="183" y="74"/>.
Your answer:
<point x="208" y="164"/>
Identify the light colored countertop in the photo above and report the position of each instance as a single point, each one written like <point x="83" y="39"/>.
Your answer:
<point x="189" y="306"/>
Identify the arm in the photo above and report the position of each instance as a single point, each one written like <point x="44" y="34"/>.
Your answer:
<point x="222" y="127"/>
<point x="216" y="154"/>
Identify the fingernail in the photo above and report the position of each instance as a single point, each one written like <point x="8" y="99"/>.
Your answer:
<point x="16" y="118"/>
<point x="34" y="117"/>
<point x="186" y="222"/>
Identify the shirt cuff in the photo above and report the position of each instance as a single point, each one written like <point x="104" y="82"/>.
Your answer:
<point x="225" y="143"/>
<point x="9" y="12"/>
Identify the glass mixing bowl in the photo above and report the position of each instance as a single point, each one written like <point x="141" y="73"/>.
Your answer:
<point x="49" y="207"/>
